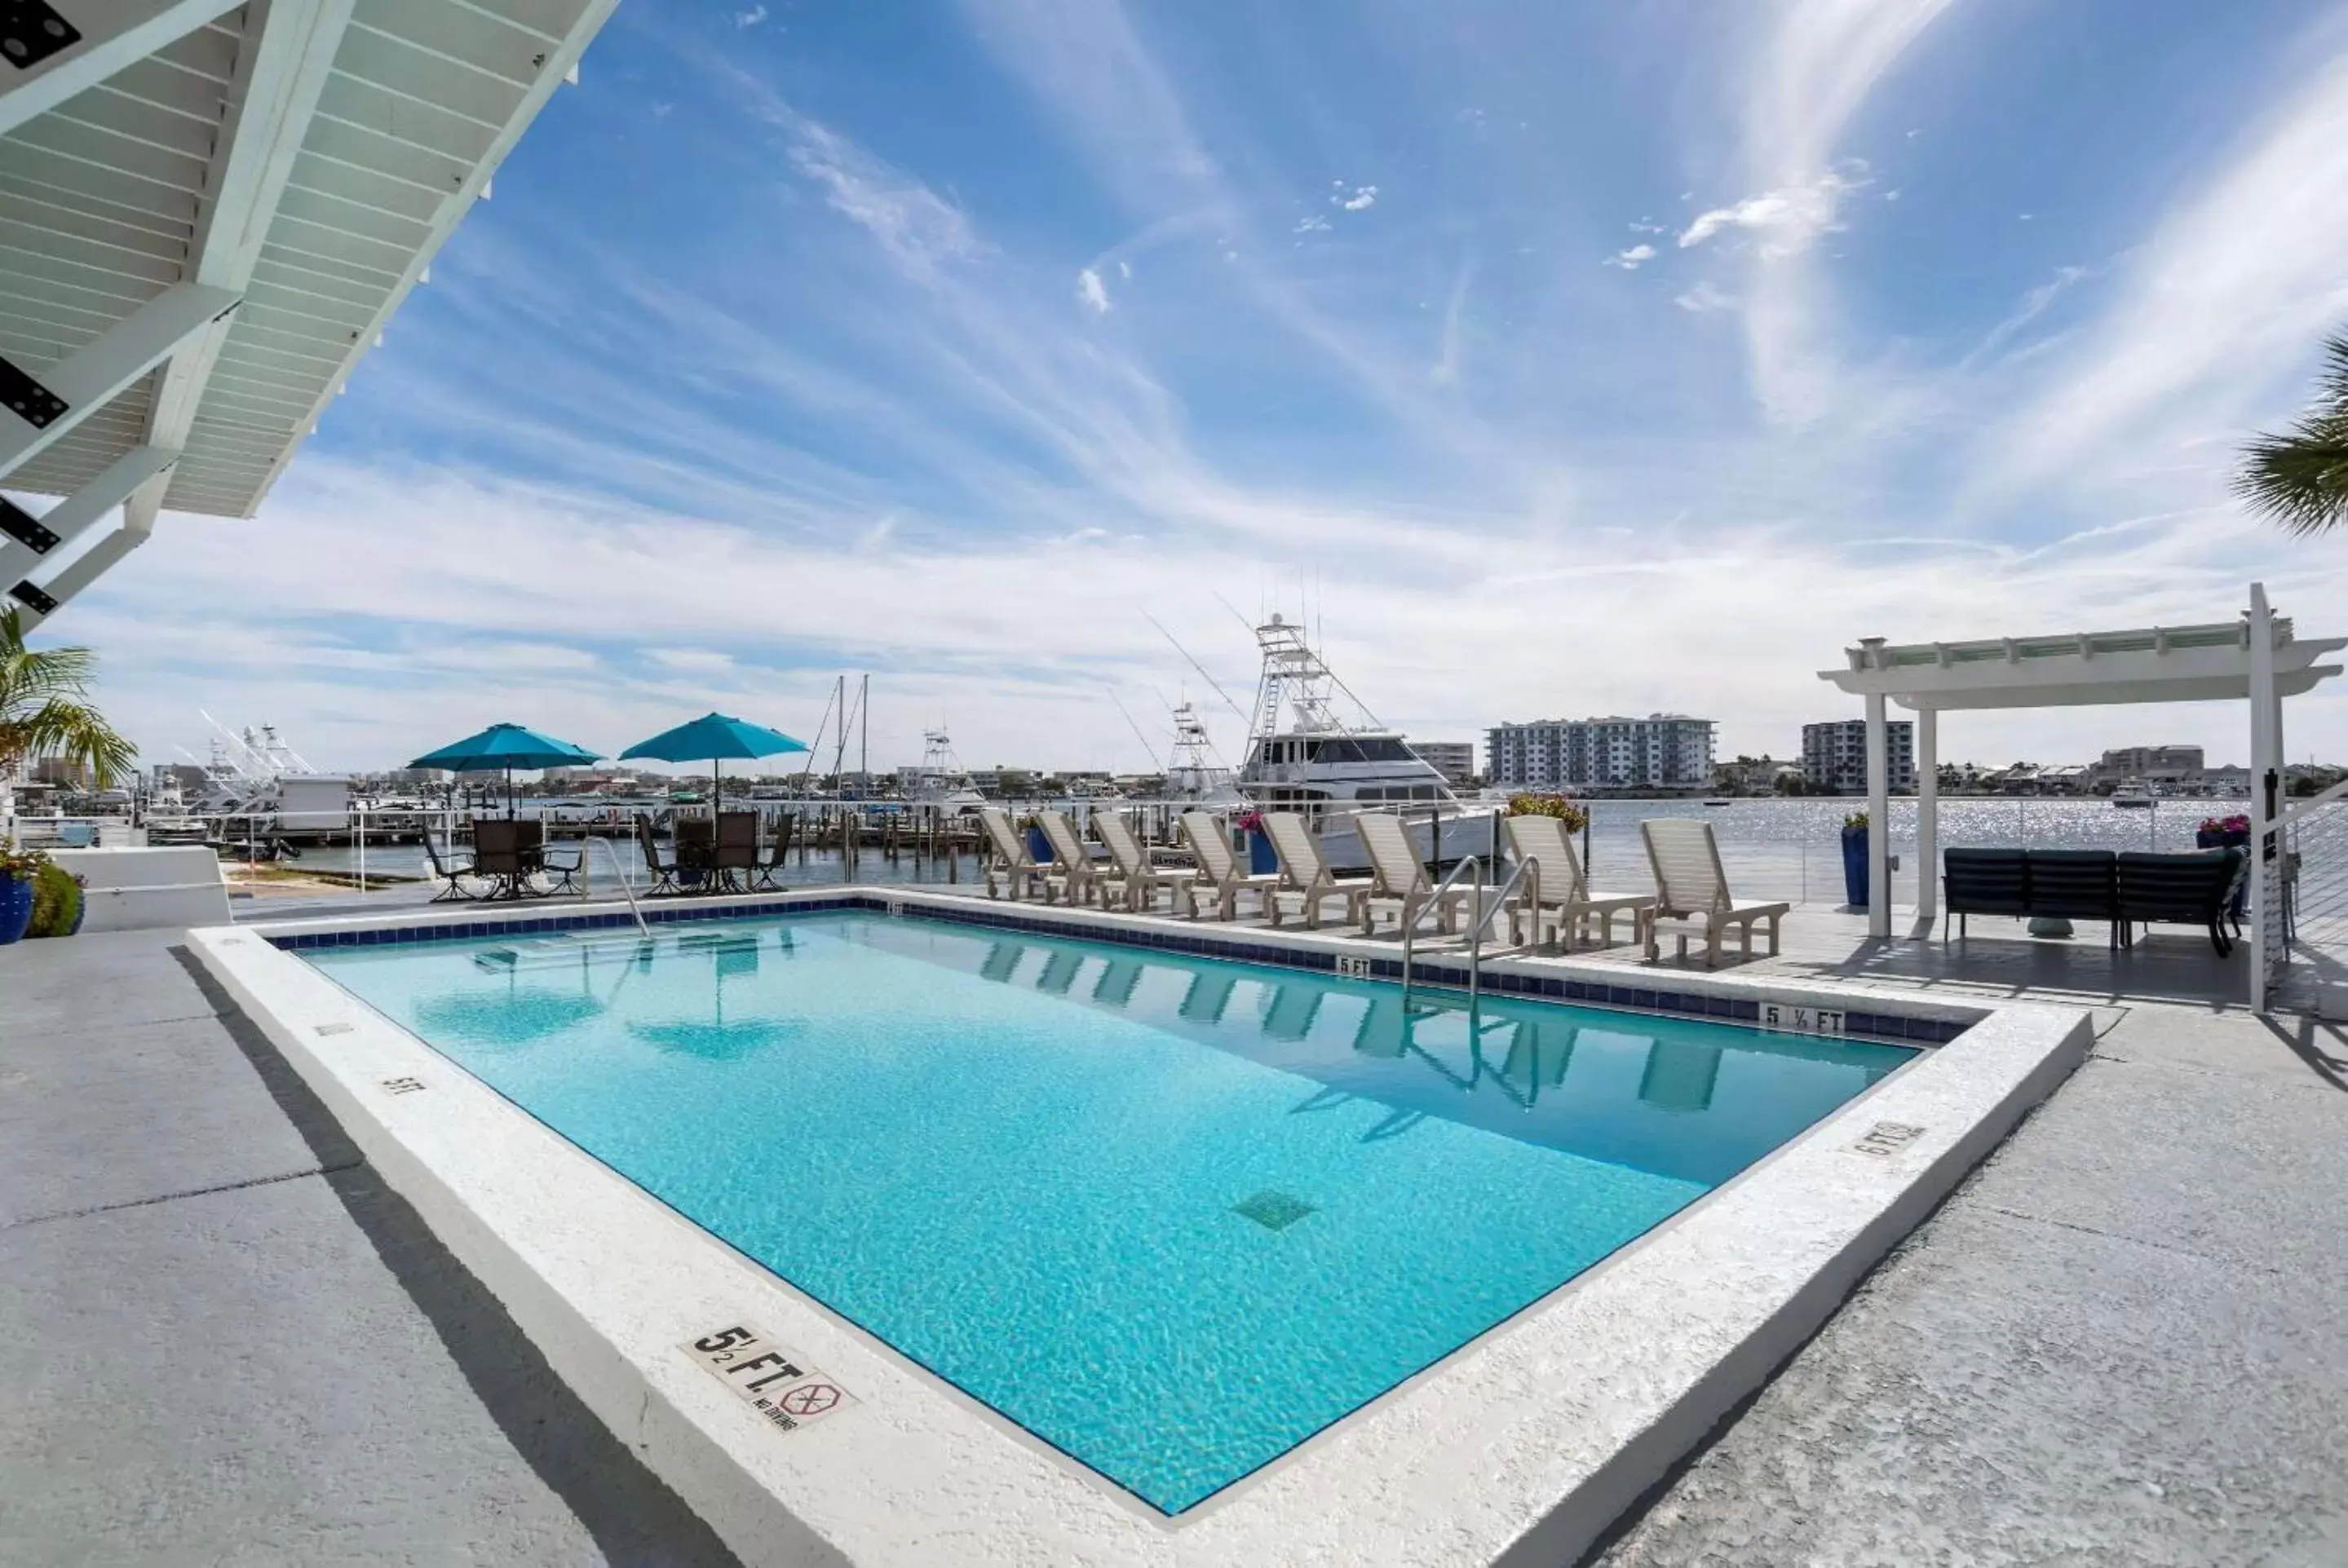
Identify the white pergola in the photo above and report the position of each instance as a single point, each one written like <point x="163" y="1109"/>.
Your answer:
<point x="209" y="211"/>
<point x="2256" y="657"/>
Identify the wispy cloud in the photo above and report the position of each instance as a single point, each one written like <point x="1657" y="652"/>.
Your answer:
<point x="1786" y="221"/>
<point x="796" y="340"/>
<point x="1703" y="296"/>
<point x="1821" y="61"/>
<point x="2220" y="306"/>
<point x="751" y="17"/>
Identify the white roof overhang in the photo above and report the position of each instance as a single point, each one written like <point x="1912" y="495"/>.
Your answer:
<point x="2152" y="664"/>
<point x="208" y="214"/>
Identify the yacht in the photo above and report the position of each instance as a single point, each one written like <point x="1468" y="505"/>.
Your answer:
<point x="2135" y="797"/>
<point x="940" y="781"/>
<point x="1315" y="748"/>
<point x="1194" y="776"/>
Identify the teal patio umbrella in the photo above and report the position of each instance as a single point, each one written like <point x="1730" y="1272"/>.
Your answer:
<point x="506" y="746"/>
<point x="715" y="736"/>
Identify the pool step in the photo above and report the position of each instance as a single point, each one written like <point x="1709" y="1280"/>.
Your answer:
<point x="566" y="951"/>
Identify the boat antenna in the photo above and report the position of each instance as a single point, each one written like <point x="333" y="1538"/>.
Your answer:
<point x="1147" y="750"/>
<point x="808" y="767"/>
<point x="1243" y="619"/>
<point x="1202" y="669"/>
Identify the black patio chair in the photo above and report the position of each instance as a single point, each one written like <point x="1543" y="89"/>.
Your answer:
<point x="694" y="839"/>
<point x="453" y="870"/>
<point x="562" y="863"/>
<point x="765" y="877"/>
<point x="2196" y="888"/>
<point x="664" y="871"/>
<point x="498" y="857"/>
<point x="2075" y="884"/>
<point x="735" y="849"/>
<point x="1984" y="882"/>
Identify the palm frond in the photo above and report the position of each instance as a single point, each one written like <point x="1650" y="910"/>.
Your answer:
<point x="74" y="730"/>
<point x="30" y="675"/>
<point x="2299" y="480"/>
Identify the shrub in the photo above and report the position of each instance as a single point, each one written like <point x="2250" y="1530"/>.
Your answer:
<point x="57" y="900"/>
<point x="1564" y="807"/>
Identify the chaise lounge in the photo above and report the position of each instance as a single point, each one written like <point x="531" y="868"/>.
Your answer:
<point x="1692" y="897"/>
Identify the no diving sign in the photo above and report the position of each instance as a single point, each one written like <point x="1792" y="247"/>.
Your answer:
<point x="778" y="1385"/>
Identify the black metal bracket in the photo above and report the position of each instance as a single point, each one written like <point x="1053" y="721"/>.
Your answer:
<point x="25" y="528"/>
<point x="33" y="596"/>
<point x="31" y="31"/>
<point x="36" y="403"/>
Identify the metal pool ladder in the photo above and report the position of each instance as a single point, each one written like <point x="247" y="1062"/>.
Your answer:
<point x="1473" y="867"/>
<point x="620" y="871"/>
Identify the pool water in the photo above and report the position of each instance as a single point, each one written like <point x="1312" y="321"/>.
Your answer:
<point x="1171" y="1216"/>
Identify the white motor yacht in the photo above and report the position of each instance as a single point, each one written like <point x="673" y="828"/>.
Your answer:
<point x="1315" y="748"/>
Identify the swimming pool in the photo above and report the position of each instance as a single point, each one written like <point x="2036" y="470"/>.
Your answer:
<point x="1171" y="1216"/>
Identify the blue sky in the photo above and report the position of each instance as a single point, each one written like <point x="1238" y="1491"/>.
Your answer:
<point x="1556" y="358"/>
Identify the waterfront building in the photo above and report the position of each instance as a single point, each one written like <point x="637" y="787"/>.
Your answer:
<point x="1662" y="751"/>
<point x="1834" y="755"/>
<point x="1454" y="759"/>
<point x="2149" y="765"/>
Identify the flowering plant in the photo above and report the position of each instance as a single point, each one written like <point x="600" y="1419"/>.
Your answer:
<point x="1249" y="821"/>
<point x="1565" y="808"/>
<point x="20" y="864"/>
<point x="2238" y="823"/>
<point x="1855" y="819"/>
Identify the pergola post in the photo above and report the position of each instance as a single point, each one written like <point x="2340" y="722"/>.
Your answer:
<point x="2266" y="793"/>
<point x="1928" y="811"/>
<point x="1879" y="819"/>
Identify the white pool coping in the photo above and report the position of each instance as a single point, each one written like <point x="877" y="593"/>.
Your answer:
<point x="1520" y="1448"/>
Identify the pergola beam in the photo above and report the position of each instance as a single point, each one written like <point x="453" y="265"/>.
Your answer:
<point x="288" y="54"/>
<point x="113" y="34"/>
<point x="74" y="516"/>
<point x="99" y="372"/>
<point x="93" y="564"/>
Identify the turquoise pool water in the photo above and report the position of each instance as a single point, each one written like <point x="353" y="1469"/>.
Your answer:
<point x="1171" y="1216"/>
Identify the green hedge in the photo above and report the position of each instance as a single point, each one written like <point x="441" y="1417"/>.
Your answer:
<point x="57" y="902"/>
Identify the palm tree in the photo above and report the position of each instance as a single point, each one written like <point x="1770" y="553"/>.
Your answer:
<point x="44" y="710"/>
<point x="2301" y="479"/>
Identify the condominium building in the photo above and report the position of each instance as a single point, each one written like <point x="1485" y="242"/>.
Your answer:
<point x="2150" y="765"/>
<point x="1454" y="759"/>
<point x="1662" y="751"/>
<point x="1834" y="755"/>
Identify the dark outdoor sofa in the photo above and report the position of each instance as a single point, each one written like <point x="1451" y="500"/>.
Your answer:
<point x="2127" y="890"/>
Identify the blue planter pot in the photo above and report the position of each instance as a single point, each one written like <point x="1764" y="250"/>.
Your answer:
<point x="1854" y="866"/>
<point x="1039" y="848"/>
<point x="1262" y="859"/>
<point x="16" y="909"/>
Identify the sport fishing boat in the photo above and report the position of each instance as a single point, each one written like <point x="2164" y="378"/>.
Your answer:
<point x="1194" y="776"/>
<point x="940" y="781"/>
<point x="1315" y="748"/>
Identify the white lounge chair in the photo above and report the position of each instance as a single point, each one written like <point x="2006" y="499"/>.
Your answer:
<point x="1139" y="879"/>
<point x="1305" y="874"/>
<point x="1399" y="877"/>
<point x="1692" y="897"/>
<point x="1011" y="861"/>
<point x="1220" y="874"/>
<point x="1556" y="889"/>
<point x="1072" y="862"/>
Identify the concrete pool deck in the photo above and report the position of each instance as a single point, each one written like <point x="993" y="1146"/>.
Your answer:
<point x="2114" y="1343"/>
